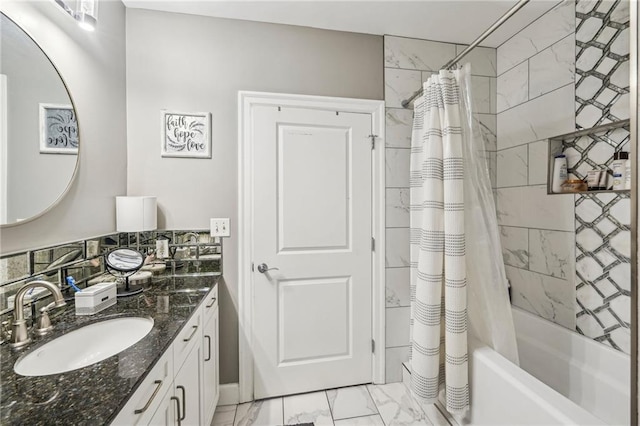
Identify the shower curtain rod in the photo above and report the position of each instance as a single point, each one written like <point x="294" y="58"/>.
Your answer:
<point x="477" y="41"/>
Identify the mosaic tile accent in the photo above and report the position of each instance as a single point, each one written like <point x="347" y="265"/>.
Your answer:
<point x="594" y="151"/>
<point x="602" y="220"/>
<point x="602" y="256"/>
<point x="602" y="62"/>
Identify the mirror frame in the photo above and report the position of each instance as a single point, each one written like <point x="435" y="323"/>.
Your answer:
<point x="75" y="109"/>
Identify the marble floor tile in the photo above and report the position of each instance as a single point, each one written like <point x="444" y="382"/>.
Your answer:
<point x="307" y="408"/>
<point x="224" y="415"/>
<point x="374" y="420"/>
<point x="267" y="412"/>
<point x="396" y="405"/>
<point x="353" y="401"/>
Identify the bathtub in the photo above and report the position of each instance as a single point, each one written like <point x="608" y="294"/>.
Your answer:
<point x="589" y="373"/>
<point x="571" y="372"/>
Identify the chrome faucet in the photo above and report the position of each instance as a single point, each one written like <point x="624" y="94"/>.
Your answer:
<point x="20" y="334"/>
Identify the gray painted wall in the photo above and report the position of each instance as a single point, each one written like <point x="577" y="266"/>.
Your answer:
<point x="34" y="180"/>
<point x="93" y="67"/>
<point x="194" y="63"/>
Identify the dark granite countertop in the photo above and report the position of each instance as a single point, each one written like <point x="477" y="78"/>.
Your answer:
<point x="93" y="395"/>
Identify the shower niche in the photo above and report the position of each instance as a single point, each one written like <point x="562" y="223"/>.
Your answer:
<point x="587" y="150"/>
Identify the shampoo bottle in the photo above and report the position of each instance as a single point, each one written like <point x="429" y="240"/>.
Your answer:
<point x="627" y="177"/>
<point x="559" y="172"/>
<point x="619" y="169"/>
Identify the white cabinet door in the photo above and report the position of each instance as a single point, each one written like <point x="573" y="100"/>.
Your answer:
<point x="146" y="400"/>
<point x="210" y="368"/>
<point x="187" y="388"/>
<point x="312" y="221"/>
<point x="167" y="412"/>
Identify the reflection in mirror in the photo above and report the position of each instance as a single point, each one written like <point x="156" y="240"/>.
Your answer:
<point x="40" y="129"/>
<point x="102" y="245"/>
<point x="14" y="267"/>
<point x="56" y="257"/>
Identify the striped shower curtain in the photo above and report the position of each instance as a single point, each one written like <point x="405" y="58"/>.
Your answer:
<point x="438" y="271"/>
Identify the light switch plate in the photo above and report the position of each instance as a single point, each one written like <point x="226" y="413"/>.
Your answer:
<point x="220" y="227"/>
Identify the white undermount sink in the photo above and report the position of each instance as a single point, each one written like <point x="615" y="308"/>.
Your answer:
<point x="84" y="346"/>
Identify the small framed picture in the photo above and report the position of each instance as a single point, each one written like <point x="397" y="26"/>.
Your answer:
<point x="58" y="129"/>
<point x="186" y="134"/>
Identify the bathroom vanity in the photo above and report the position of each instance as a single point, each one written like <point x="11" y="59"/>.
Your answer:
<point x="170" y="376"/>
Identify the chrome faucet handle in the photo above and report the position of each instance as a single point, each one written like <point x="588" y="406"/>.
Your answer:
<point x="20" y="334"/>
<point x="43" y="324"/>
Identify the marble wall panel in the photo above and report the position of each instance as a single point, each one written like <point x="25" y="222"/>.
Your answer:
<point x="548" y="297"/>
<point x="512" y="167"/>
<point x="531" y="207"/>
<point x="540" y="118"/>
<point x="552" y="68"/>
<point x="416" y="54"/>
<point x="554" y="25"/>
<point x="513" y="87"/>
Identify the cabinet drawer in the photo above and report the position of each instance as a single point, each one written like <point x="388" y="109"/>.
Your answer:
<point x="145" y="401"/>
<point x="209" y="305"/>
<point x="190" y="335"/>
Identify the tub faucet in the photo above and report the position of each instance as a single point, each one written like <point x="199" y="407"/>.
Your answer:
<point x="20" y="333"/>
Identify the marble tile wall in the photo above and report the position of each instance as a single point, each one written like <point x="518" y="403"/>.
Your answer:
<point x="409" y="62"/>
<point x="535" y="100"/>
<point x="567" y="256"/>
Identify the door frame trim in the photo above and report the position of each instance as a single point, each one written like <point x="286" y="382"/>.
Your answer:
<point x="246" y="101"/>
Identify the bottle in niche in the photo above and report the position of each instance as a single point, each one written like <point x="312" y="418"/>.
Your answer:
<point x="619" y="169"/>
<point x="559" y="172"/>
<point x="627" y="176"/>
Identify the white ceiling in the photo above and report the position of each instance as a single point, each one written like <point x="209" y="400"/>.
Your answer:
<point x="458" y="21"/>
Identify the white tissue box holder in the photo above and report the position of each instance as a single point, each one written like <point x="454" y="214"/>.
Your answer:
<point x="96" y="298"/>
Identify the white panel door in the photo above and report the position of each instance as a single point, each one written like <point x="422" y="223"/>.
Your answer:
<point x="312" y="221"/>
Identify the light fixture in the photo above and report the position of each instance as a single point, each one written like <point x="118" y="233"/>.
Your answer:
<point x="85" y="12"/>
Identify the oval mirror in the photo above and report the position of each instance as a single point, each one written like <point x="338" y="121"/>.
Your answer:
<point x="38" y="128"/>
<point x="125" y="260"/>
<point x="123" y="263"/>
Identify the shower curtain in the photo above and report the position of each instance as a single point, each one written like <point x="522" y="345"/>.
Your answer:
<point x="457" y="272"/>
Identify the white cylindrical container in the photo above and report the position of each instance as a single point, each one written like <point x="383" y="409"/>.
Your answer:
<point x="559" y="172"/>
<point x="619" y="169"/>
<point x="627" y="176"/>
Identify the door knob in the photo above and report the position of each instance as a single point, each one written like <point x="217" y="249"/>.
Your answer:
<point x="263" y="267"/>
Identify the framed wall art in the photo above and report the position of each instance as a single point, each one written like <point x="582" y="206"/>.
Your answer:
<point x="58" y="129"/>
<point x="186" y="134"/>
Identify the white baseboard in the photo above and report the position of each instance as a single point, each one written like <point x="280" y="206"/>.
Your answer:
<point x="229" y="394"/>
